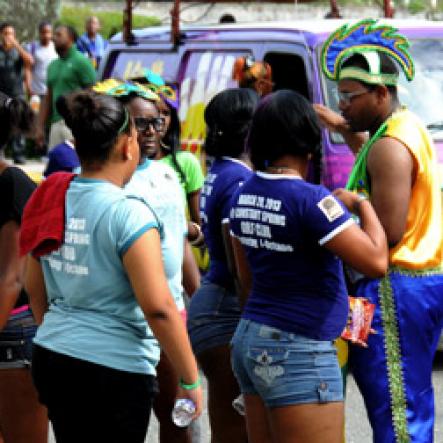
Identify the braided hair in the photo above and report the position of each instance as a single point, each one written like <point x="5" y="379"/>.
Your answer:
<point x="228" y="118"/>
<point x="171" y="141"/>
<point x="16" y="117"/>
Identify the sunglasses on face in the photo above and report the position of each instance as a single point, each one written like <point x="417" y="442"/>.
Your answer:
<point x="346" y="97"/>
<point x="142" y="123"/>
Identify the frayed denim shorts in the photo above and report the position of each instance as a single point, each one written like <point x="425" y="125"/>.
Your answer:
<point x="213" y="316"/>
<point x="16" y="341"/>
<point x="285" y="368"/>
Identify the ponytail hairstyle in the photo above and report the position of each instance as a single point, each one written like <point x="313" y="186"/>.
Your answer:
<point x="170" y="143"/>
<point x="228" y="117"/>
<point x="16" y="117"/>
<point x="285" y="123"/>
<point x="247" y="71"/>
<point x="96" y="122"/>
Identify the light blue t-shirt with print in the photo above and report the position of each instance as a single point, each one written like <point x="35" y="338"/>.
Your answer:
<point x="158" y="185"/>
<point x="93" y="314"/>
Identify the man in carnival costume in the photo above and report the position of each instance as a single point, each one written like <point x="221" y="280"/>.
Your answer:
<point x="397" y="170"/>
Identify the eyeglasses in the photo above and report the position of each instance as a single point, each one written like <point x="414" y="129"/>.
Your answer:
<point x="142" y="123"/>
<point x="346" y="97"/>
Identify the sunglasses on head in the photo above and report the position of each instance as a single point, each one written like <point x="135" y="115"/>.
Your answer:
<point x="164" y="90"/>
<point x="142" y="123"/>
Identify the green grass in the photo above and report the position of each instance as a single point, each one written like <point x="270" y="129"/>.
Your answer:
<point x="111" y="22"/>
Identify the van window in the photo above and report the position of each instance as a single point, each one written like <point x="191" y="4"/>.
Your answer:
<point x="131" y="64"/>
<point x="205" y="73"/>
<point x="288" y="72"/>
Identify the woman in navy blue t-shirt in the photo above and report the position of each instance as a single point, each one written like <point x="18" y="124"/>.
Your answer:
<point x="287" y="237"/>
<point x="214" y="311"/>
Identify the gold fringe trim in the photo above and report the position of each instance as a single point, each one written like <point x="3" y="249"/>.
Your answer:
<point x="393" y="357"/>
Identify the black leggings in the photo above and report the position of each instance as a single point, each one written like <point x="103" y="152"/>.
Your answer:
<point x="92" y="403"/>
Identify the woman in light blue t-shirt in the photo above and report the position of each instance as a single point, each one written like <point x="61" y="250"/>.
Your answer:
<point x="158" y="185"/>
<point x="95" y="356"/>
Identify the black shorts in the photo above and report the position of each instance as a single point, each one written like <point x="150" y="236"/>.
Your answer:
<point x="88" y="402"/>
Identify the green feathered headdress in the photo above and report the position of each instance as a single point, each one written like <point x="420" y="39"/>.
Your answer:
<point x="368" y="39"/>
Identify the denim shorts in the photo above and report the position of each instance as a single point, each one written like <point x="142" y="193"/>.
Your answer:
<point x="16" y="341"/>
<point x="213" y="316"/>
<point x="285" y="368"/>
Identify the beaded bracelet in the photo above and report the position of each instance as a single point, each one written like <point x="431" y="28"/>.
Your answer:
<point x="183" y="385"/>
<point x="200" y="237"/>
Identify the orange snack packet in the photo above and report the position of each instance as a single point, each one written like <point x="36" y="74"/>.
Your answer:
<point x="359" y="321"/>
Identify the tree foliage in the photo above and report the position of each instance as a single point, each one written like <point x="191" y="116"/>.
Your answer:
<point x="111" y="21"/>
<point x="25" y="15"/>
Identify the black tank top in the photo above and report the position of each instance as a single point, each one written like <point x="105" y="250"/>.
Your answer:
<point x="15" y="189"/>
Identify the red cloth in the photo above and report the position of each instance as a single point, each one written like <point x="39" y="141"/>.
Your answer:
<point x="43" y="222"/>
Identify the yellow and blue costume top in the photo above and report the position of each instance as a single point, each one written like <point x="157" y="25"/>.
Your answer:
<point x="422" y="244"/>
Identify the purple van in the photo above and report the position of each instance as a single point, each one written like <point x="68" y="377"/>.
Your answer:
<point x="202" y="66"/>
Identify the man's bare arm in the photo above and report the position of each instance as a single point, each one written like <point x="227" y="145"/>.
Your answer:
<point x="28" y="59"/>
<point x="391" y="169"/>
<point x="44" y="113"/>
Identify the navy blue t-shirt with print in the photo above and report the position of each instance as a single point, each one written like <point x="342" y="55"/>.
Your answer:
<point x="298" y="285"/>
<point x="221" y="183"/>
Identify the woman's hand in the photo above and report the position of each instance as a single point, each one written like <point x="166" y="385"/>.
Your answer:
<point x="195" y="395"/>
<point x="350" y="199"/>
<point x="195" y="234"/>
<point x="362" y="246"/>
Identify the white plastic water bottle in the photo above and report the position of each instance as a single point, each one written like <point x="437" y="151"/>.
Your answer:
<point x="239" y="404"/>
<point x="184" y="410"/>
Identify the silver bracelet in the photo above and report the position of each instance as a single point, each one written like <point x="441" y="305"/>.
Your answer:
<point x="356" y="205"/>
<point x="200" y="237"/>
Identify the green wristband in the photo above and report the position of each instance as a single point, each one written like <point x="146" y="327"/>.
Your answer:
<point x="183" y="385"/>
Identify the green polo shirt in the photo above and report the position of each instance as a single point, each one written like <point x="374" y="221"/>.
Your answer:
<point x="68" y="73"/>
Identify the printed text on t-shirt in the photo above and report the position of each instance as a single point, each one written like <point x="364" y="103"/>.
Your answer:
<point x="73" y="236"/>
<point x="258" y="222"/>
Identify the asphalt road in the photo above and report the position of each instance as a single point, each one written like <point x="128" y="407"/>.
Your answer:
<point x="357" y="425"/>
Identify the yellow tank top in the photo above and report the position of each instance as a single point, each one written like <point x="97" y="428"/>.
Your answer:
<point x="422" y="244"/>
